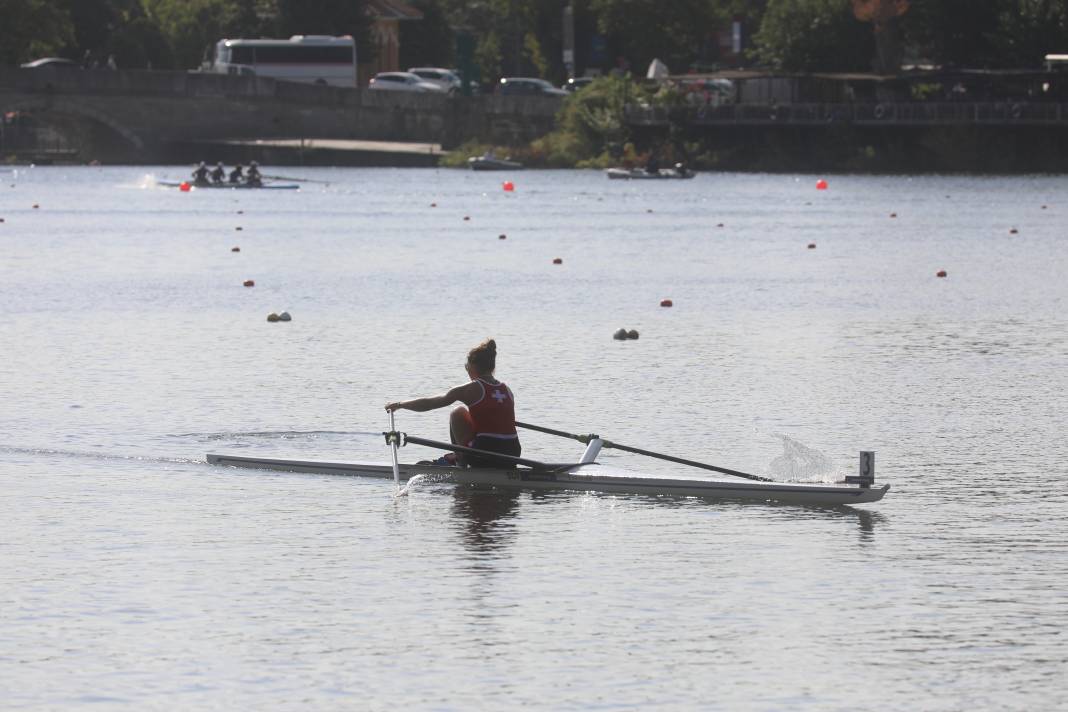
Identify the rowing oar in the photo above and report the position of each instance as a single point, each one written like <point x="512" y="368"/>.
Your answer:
<point x="394" y="438"/>
<point x="289" y="177"/>
<point x="585" y="439"/>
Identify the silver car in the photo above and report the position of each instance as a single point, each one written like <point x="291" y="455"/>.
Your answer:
<point x="402" y="81"/>
<point x="444" y="78"/>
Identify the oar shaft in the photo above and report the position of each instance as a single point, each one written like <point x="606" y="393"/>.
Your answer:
<point x="682" y="461"/>
<point x="550" y="431"/>
<point x="393" y="452"/>
<point x="647" y="453"/>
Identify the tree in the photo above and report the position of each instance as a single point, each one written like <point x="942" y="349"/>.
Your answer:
<point x="324" y="17"/>
<point x="32" y="29"/>
<point x="192" y="27"/>
<point x="644" y="30"/>
<point x="429" y="42"/>
<point x="961" y="33"/>
<point x="813" y="35"/>
<point x="883" y="15"/>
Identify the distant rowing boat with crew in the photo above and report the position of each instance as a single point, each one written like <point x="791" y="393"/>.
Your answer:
<point x="582" y="476"/>
<point x="232" y="186"/>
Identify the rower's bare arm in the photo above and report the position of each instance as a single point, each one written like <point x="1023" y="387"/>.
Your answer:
<point x="421" y="405"/>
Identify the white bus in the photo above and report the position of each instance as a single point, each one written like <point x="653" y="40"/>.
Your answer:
<point x="315" y="59"/>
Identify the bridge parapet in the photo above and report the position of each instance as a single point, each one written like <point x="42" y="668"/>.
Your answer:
<point x="148" y="110"/>
<point x="875" y="114"/>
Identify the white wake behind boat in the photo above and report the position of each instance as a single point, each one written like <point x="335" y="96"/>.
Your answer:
<point x="581" y="477"/>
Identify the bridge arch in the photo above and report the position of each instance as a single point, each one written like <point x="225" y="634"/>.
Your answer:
<point x="66" y="113"/>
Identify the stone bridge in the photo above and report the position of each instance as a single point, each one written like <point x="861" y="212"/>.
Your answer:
<point x="149" y="116"/>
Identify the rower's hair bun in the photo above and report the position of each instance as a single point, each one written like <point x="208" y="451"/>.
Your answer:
<point x="484" y="356"/>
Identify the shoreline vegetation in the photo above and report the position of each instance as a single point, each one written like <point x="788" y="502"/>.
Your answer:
<point x="592" y="133"/>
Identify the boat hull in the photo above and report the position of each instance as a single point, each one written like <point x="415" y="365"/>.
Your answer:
<point x="493" y="164"/>
<point x="231" y="186"/>
<point x="637" y="174"/>
<point x="577" y="479"/>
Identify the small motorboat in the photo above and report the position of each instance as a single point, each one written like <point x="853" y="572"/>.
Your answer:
<point x="489" y="162"/>
<point x="642" y="174"/>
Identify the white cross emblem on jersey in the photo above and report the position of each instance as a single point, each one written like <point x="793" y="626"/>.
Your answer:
<point x="499" y="396"/>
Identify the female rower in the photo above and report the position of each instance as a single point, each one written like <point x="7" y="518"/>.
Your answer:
<point x="486" y="421"/>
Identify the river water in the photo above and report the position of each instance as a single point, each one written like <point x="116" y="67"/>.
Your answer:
<point x="135" y="576"/>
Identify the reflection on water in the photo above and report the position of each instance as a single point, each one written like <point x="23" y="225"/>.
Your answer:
<point x="483" y="515"/>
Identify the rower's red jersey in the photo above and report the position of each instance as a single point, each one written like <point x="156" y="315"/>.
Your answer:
<point x="494" y="413"/>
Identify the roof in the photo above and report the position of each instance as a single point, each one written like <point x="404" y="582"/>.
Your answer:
<point x="392" y="10"/>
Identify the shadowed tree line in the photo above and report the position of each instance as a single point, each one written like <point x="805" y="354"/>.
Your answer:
<point x="526" y="37"/>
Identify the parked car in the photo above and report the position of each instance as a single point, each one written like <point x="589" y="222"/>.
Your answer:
<point x="57" y="62"/>
<point x="575" y="83"/>
<point x="527" y="86"/>
<point x="444" y="78"/>
<point x="401" y="81"/>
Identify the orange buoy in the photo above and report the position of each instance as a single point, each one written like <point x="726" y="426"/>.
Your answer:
<point x="508" y="186"/>
<point x="666" y="303"/>
<point x="184" y="186"/>
<point x="235" y="249"/>
<point x="557" y="261"/>
<point x="821" y="184"/>
<point x="812" y="245"/>
<point x="249" y="283"/>
<point x="940" y="273"/>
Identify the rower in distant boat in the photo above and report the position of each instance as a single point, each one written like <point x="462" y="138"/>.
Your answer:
<point x="200" y="174"/>
<point x="486" y="421"/>
<point x="652" y="166"/>
<point x="253" y="176"/>
<point x="237" y="175"/>
<point x="218" y="174"/>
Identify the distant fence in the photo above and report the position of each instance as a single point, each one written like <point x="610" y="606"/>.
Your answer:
<point x="888" y="114"/>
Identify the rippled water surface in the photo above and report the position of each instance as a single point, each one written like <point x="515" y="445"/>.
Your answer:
<point x="135" y="576"/>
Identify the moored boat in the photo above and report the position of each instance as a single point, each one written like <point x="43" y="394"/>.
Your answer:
<point x="492" y="163"/>
<point x="642" y="174"/>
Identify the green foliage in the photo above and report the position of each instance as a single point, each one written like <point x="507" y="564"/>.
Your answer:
<point x="488" y="55"/>
<point x="591" y="129"/>
<point x="30" y="29"/>
<point x="192" y="27"/>
<point x="675" y="32"/>
<point x="814" y="35"/>
<point x="532" y="51"/>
